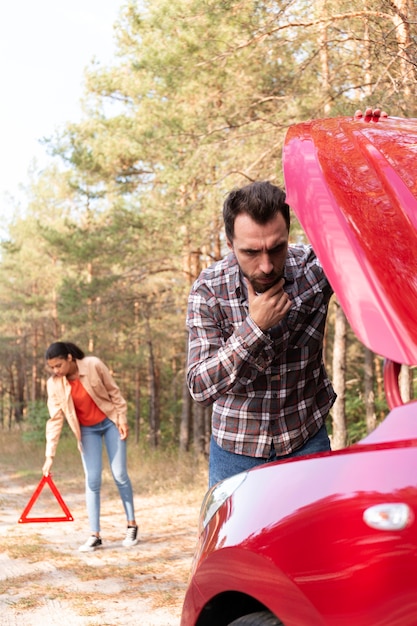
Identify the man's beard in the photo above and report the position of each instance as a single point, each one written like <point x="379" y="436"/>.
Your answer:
<point x="261" y="287"/>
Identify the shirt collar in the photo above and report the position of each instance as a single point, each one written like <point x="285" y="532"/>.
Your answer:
<point x="235" y="276"/>
<point x="82" y="367"/>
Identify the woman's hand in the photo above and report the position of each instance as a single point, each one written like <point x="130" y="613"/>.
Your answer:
<point x="124" y="431"/>
<point x="47" y="465"/>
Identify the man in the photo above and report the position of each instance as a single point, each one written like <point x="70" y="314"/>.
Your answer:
<point x="256" y="320"/>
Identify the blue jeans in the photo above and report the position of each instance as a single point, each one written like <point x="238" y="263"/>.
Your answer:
<point x="92" y="457"/>
<point x="223" y="464"/>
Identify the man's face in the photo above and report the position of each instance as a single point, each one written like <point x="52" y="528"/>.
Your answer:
<point x="260" y="249"/>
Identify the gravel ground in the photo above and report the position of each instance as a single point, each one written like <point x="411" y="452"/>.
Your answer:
<point x="46" y="581"/>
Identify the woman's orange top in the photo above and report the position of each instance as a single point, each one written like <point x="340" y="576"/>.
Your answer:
<point x="87" y="410"/>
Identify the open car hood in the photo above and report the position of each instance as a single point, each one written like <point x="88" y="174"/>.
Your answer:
<point x="353" y="185"/>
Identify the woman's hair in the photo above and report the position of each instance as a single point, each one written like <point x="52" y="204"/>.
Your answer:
<point x="260" y="200"/>
<point x="61" y="350"/>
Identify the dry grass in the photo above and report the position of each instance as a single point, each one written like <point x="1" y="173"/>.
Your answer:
<point x="154" y="471"/>
<point x="36" y="550"/>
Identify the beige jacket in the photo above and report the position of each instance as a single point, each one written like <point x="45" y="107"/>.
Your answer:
<point x="98" y="382"/>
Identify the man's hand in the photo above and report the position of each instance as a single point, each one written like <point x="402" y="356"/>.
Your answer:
<point x="268" y="308"/>
<point x="371" y="113"/>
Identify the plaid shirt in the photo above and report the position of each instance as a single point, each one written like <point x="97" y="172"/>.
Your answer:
<point x="265" y="387"/>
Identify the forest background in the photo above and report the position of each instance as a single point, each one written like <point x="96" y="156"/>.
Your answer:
<point x="196" y="102"/>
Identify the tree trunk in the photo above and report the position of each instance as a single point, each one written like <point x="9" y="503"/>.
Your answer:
<point x="1" y="405"/>
<point x="20" y="399"/>
<point x="90" y="310"/>
<point x="366" y="59"/>
<point x="324" y="58"/>
<point x="370" y="416"/>
<point x="154" y="417"/>
<point x="339" y="369"/>
<point x="379" y="384"/>
<point x="137" y="404"/>
<point x="186" y="411"/>
<point x="404" y="382"/>
<point x="199" y="430"/>
<point x="406" y="47"/>
<point x="137" y="372"/>
<point x="207" y="425"/>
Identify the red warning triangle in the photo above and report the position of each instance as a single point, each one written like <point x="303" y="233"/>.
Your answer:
<point x="46" y="479"/>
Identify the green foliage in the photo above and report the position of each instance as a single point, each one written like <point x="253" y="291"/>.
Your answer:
<point x="355" y="414"/>
<point x="197" y="101"/>
<point x="36" y="418"/>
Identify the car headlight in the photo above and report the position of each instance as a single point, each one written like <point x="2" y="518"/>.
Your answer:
<point x="217" y="495"/>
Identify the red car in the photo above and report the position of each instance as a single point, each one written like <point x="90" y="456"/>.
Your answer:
<point x="331" y="539"/>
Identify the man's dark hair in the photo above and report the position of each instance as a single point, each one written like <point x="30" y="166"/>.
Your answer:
<point x="260" y="200"/>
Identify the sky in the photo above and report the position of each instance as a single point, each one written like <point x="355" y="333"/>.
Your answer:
<point x="45" y="46"/>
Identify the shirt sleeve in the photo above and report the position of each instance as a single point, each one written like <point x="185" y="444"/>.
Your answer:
<point x="56" y="420"/>
<point x="219" y="356"/>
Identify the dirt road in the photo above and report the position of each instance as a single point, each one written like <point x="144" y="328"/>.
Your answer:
<point x="46" y="581"/>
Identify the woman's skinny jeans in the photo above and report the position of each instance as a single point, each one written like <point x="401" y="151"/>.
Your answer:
<point x="92" y="457"/>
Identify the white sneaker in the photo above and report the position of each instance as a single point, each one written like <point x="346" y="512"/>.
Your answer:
<point x="131" y="538"/>
<point x="91" y="544"/>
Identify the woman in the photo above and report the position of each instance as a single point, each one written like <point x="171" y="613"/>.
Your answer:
<point x="82" y="391"/>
